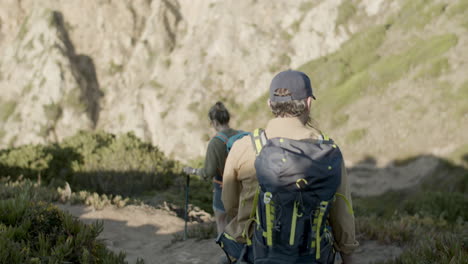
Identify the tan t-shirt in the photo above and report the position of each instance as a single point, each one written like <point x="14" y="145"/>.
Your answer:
<point x="240" y="184"/>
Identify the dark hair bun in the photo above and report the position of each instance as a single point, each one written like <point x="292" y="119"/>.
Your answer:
<point x="219" y="113"/>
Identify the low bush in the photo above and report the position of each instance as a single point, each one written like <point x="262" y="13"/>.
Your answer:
<point x="38" y="232"/>
<point x="430" y="225"/>
<point x="451" y="207"/>
<point x="437" y="248"/>
<point x="95" y="161"/>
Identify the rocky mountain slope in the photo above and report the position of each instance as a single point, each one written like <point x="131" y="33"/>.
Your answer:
<point x="390" y="75"/>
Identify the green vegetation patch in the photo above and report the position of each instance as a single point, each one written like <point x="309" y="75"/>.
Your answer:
<point x="340" y="74"/>
<point x="356" y="135"/>
<point x="53" y="112"/>
<point x="459" y="8"/>
<point x="334" y="69"/>
<point x="435" y="69"/>
<point x="73" y="99"/>
<point x="429" y="221"/>
<point x="339" y="120"/>
<point x="282" y="62"/>
<point x="27" y="88"/>
<point x="462" y="97"/>
<point x="416" y="14"/>
<point x="256" y="114"/>
<point x="346" y="11"/>
<point x="33" y="231"/>
<point x="392" y="68"/>
<point x="442" y="247"/>
<point x="6" y="109"/>
<point x="308" y="5"/>
<point x="155" y="84"/>
<point x="23" y="29"/>
<point x="377" y="76"/>
<point x="115" y="68"/>
<point x="451" y="207"/>
<point x="94" y="161"/>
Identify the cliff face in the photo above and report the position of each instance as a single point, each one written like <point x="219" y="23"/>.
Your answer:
<point x="155" y="67"/>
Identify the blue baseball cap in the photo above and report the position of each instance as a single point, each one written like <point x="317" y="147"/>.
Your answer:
<point x="298" y="84"/>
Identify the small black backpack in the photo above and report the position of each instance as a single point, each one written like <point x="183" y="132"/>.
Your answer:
<point x="298" y="180"/>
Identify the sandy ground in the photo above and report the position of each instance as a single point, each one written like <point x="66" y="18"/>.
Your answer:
<point x="147" y="233"/>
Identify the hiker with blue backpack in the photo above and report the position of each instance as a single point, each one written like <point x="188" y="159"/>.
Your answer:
<point x="285" y="188"/>
<point x="216" y="153"/>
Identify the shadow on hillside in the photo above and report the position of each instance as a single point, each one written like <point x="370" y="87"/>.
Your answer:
<point x="424" y="171"/>
<point x="365" y="177"/>
<point x="83" y="70"/>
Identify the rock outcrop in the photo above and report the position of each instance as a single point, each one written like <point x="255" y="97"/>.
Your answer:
<point x="155" y="67"/>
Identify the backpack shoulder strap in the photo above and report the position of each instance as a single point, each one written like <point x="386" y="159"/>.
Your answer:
<point x="259" y="140"/>
<point x="223" y="137"/>
<point x="323" y="139"/>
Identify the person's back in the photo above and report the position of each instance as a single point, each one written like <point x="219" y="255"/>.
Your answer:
<point x="292" y="115"/>
<point x="215" y="158"/>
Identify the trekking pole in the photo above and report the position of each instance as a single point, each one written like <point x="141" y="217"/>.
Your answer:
<point x="186" y="205"/>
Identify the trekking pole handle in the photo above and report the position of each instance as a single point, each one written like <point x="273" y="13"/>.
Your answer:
<point x="190" y="171"/>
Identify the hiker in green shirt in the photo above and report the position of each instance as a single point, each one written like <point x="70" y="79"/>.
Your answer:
<point x="216" y="155"/>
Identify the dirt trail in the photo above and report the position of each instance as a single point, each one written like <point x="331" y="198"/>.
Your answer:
<point x="145" y="232"/>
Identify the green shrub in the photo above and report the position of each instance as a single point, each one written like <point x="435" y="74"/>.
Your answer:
<point x="438" y="248"/>
<point x="37" y="232"/>
<point x="28" y="160"/>
<point x="428" y="220"/>
<point x="26" y="188"/>
<point x="447" y="206"/>
<point x="120" y="165"/>
<point x="94" y="161"/>
<point x="97" y="201"/>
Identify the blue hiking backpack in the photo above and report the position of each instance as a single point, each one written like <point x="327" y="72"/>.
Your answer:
<point x="229" y="141"/>
<point x="298" y="180"/>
